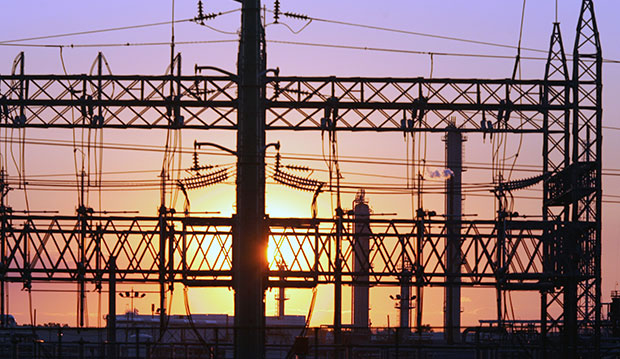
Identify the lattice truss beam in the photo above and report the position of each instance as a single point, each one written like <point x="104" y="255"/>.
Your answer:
<point x="38" y="248"/>
<point x="292" y="103"/>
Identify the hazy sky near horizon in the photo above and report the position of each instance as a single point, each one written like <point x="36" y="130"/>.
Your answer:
<point x="482" y="20"/>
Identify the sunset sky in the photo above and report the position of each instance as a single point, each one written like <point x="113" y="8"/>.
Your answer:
<point x="482" y="20"/>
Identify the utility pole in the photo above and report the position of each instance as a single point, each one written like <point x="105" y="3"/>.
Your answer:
<point x="250" y="235"/>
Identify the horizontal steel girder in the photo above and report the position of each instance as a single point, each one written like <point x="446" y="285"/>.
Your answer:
<point x="293" y="103"/>
<point x="48" y="248"/>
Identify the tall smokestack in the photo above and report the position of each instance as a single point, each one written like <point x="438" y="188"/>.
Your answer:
<point x="361" y="262"/>
<point x="454" y="162"/>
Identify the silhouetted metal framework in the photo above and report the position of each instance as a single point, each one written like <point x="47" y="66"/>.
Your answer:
<point x="559" y="256"/>
<point x="292" y="103"/>
<point x="47" y="248"/>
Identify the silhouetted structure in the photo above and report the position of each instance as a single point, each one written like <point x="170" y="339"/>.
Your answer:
<point x="558" y="256"/>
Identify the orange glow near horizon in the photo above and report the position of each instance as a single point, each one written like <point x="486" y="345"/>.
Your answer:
<point x="377" y="161"/>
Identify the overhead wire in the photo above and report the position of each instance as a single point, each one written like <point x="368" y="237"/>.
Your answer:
<point x="421" y="34"/>
<point x="295" y="32"/>
<point x="97" y="31"/>
<point x="190" y="318"/>
<point x="435" y="36"/>
<point x="417" y="52"/>
<point x="517" y="152"/>
<point x="308" y="18"/>
<point x="369" y="160"/>
<point x="64" y="68"/>
<point x="90" y="32"/>
<point x="431" y="55"/>
<point x="20" y="167"/>
<point x="177" y="140"/>
<point x="306" y="157"/>
<point x="80" y="186"/>
<point x="297" y="43"/>
<point x="122" y="44"/>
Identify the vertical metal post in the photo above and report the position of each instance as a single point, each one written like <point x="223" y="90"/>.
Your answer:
<point x="338" y="282"/>
<point x="333" y="112"/>
<point x="281" y="291"/>
<point x="454" y="162"/>
<point x="98" y="276"/>
<point x="22" y="84"/>
<point x="99" y="88"/>
<point x="419" y="267"/>
<point x="3" y="239"/>
<point x="171" y="247"/>
<point x="250" y="235"/>
<point x="162" y="268"/>
<point x="112" y="307"/>
<point x="405" y="302"/>
<point x="82" y="214"/>
<point x="499" y="258"/>
<point x="281" y="299"/>
<point x="543" y="324"/>
<point x="174" y="118"/>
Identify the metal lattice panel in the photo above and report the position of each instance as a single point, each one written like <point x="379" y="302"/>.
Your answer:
<point x="50" y="249"/>
<point x="365" y="104"/>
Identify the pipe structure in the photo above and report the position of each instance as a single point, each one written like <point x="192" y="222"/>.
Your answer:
<point x="361" y="264"/>
<point x="454" y="210"/>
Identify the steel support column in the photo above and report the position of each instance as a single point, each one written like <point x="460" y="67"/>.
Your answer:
<point x="112" y="308"/>
<point x="556" y="159"/>
<point x="583" y="302"/>
<point x="250" y="237"/>
<point x="4" y="211"/>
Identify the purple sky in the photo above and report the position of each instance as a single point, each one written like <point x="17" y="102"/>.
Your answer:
<point x="481" y="20"/>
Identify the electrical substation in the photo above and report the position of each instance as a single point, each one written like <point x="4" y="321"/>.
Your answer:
<point x="552" y="252"/>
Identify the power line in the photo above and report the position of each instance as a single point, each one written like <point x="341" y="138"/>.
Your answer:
<point x="125" y="44"/>
<point x="340" y="46"/>
<point x="369" y="160"/>
<point x="415" y="33"/>
<point x="414" y="52"/>
<point x="295" y="43"/>
<point x="421" y="34"/>
<point x="120" y="28"/>
<point x="283" y="42"/>
<point x="97" y="31"/>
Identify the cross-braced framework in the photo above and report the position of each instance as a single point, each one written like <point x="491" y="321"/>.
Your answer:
<point x="587" y="153"/>
<point x="295" y="103"/>
<point x="559" y="256"/>
<point x="556" y="159"/>
<point x="39" y="248"/>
